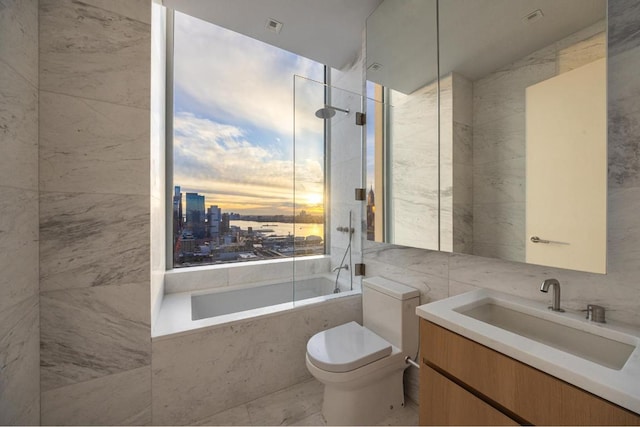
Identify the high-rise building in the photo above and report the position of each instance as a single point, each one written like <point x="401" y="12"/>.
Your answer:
<point x="195" y="215"/>
<point x="224" y="223"/>
<point x="371" y="215"/>
<point x="177" y="212"/>
<point x="214" y="219"/>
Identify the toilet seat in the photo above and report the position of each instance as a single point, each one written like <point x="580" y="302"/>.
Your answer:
<point x="346" y="348"/>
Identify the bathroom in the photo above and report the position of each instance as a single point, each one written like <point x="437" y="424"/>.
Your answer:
<point x="78" y="110"/>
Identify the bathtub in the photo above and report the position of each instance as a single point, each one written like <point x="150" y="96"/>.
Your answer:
<point x="205" y="366"/>
<point x="193" y="310"/>
<point x="221" y="302"/>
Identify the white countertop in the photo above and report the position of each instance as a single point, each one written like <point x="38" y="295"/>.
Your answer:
<point x="621" y="387"/>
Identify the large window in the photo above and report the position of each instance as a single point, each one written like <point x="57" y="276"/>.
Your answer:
<point x="233" y="150"/>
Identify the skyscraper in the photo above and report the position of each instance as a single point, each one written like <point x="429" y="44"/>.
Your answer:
<point x="195" y="215"/>
<point x="177" y="211"/>
<point x="214" y="218"/>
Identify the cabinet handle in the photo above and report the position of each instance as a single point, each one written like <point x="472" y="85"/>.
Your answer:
<point x="536" y="239"/>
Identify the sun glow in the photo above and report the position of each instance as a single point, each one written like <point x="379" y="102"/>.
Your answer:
<point x="315" y="199"/>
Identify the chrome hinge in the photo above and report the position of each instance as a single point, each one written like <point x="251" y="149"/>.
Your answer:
<point x="361" y="119"/>
<point x="358" y="270"/>
<point x="361" y="194"/>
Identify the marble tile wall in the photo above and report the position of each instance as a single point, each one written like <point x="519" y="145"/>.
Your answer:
<point x="413" y="186"/>
<point x="19" y="300"/>
<point x="94" y="168"/>
<point x="456" y="163"/>
<point x="499" y="140"/>
<point x="439" y="274"/>
<point x="197" y="375"/>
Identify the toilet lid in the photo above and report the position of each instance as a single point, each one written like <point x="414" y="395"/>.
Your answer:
<point x="346" y="347"/>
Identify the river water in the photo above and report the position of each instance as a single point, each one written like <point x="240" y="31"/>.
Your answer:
<point x="282" y="228"/>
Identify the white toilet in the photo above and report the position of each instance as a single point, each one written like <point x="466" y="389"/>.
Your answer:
<point x="361" y="367"/>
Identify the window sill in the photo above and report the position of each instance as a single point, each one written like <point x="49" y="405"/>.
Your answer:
<point x="221" y="275"/>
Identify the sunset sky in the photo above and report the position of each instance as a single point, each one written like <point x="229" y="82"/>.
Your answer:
<point x="234" y="121"/>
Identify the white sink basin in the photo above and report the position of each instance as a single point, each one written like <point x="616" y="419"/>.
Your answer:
<point x="603" y="359"/>
<point x="604" y="351"/>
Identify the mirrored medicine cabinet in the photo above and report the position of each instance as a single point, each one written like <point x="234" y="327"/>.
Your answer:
<point x="490" y="137"/>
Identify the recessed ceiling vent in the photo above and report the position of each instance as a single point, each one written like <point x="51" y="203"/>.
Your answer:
<point x="374" y="67"/>
<point x="532" y="17"/>
<point x="273" y="25"/>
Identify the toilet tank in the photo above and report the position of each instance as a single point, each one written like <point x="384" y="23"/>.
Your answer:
<point x="389" y="310"/>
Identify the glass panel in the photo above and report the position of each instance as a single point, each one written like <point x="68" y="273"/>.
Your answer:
<point x="328" y="167"/>
<point x="402" y="71"/>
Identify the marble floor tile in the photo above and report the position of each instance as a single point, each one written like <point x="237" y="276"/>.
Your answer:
<point x="407" y="416"/>
<point x="287" y="406"/>
<point x="298" y="405"/>
<point x="237" y="416"/>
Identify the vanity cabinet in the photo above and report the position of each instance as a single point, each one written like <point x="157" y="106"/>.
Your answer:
<point x="465" y="383"/>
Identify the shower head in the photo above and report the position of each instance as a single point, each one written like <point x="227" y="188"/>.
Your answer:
<point x="328" y="112"/>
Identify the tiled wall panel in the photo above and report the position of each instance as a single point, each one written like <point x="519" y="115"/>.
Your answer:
<point x="94" y="211"/>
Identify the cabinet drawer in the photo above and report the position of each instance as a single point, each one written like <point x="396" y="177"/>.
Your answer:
<point x="534" y="396"/>
<point x="446" y="403"/>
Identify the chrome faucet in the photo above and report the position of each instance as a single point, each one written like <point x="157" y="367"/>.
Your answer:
<point x="553" y="283"/>
<point x="346" y="267"/>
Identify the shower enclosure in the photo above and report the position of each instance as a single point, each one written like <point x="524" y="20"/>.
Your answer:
<point x="329" y="135"/>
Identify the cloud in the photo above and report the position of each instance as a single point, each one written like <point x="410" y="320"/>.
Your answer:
<point x="240" y="80"/>
<point x="219" y="161"/>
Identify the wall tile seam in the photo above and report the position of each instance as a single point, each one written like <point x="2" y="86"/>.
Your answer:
<point x="44" y="293"/>
<point x="97" y="193"/>
<point x="148" y="109"/>
<point x="35" y="295"/>
<point x="96" y="378"/>
<point x="34" y="85"/>
<point x="11" y="187"/>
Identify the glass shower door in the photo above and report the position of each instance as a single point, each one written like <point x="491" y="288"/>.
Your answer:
<point x="328" y="168"/>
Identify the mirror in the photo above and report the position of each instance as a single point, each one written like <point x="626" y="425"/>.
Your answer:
<point x="402" y="140"/>
<point x="522" y="130"/>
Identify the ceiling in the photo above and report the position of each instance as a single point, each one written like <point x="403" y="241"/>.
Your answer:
<point x="327" y="31"/>
<point x="476" y="37"/>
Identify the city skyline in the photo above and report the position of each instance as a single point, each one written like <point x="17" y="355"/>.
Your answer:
<point x="233" y="132"/>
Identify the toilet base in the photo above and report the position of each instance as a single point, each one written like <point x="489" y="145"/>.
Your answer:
<point x="365" y="405"/>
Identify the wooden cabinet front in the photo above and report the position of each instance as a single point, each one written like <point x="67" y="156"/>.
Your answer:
<point x="526" y="394"/>
<point x="446" y="403"/>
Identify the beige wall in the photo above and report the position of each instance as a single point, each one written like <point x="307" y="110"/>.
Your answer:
<point x="19" y="302"/>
